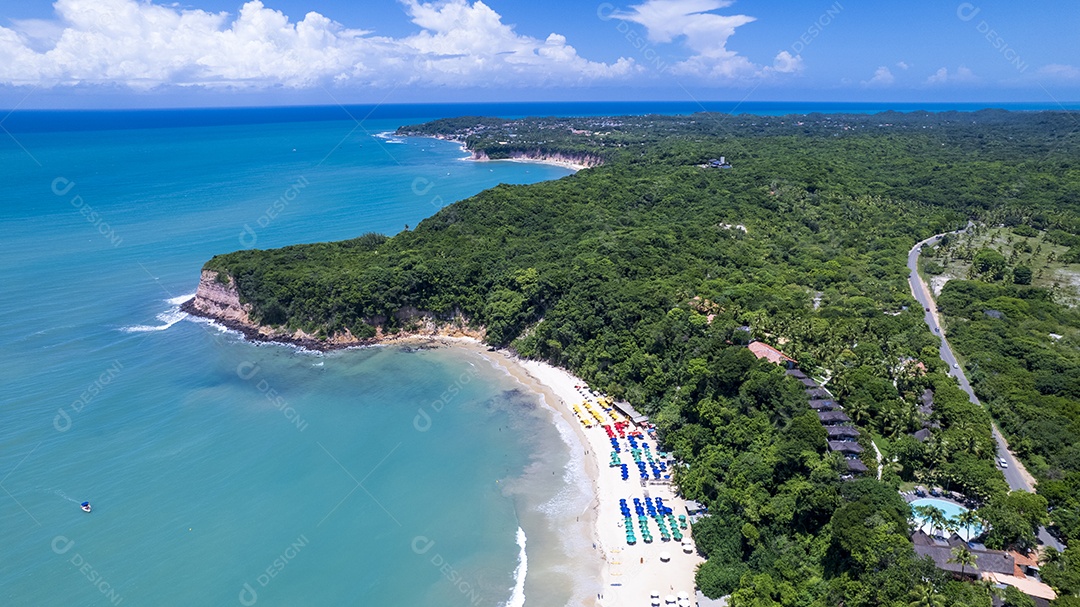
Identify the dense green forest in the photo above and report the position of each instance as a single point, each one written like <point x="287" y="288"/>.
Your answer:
<point x="642" y="275"/>
<point x="1020" y="344"/>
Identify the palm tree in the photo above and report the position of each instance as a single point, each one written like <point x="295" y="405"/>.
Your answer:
<point x="922" y="512"/>
<point x="1050" y="556"/>
<point x="924" y="596"/>
<point x="963" y="557"/>
<point x="892" y="420"/>
<point x="857" y="410"/>
<point x="969" y="520"/>
<point x="951" y="526"/>
<point x="937" y="518"/>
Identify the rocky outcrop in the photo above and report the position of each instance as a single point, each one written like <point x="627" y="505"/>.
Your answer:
<point x="218" y="299"/>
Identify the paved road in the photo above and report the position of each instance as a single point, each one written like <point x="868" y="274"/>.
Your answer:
<point x="1015" y="474"/>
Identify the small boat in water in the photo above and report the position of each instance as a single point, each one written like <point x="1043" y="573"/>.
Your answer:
<point x="86" y="506"/>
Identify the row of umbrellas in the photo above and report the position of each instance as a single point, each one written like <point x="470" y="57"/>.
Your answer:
<point x="658" y="512"/>
<point x="637" y="451"/>
<point x="620" y="428"/>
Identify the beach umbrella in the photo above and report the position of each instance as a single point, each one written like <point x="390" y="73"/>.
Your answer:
<point x="665" y="557"/>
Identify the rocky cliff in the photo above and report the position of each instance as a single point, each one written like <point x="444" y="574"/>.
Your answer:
<point x="579" y="161"/>
<point x="218" y="299"/>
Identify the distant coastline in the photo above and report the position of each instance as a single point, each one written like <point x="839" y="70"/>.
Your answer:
<point x="54" y="120"/>
<point x="574" y="162"/>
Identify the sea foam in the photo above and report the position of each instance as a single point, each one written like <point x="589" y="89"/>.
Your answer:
<point x="517" y="599"/>
<point x="169" y="317"/>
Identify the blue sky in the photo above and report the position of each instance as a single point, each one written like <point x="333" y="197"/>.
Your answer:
<point x="138" y="53"/>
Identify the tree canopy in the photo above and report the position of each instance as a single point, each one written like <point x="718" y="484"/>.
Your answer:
<point x="647" y="276"/>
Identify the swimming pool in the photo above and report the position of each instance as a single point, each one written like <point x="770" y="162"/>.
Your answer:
<point x="950" y="509"/>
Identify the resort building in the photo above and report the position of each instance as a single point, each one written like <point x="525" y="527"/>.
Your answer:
<point x="940" y="551"/>
<point x="696" y="510"/>
<point x="771" y="354"/>
<point x="840" y="432"/>
<point x="855" y="465"/>
<point x="832" y="418"/>
<point x="627" y="410"/>
<point x="998" y="567"/>
<point x="842" y="436"/>
<point x="926" y="411"/>
<point x="845" y="446"/>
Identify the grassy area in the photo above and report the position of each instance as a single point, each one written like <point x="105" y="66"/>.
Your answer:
<point x="955" y="259"/>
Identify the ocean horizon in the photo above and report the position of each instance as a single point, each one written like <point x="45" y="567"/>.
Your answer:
<point x="25" y="121"/>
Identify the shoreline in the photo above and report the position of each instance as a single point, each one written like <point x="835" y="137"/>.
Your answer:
<point x="557" y="159"/>
<point x="618" y="574"/>
<point x="563" y="164"/>
<point x="254" y="334"/>
<point x="627" y="574"/>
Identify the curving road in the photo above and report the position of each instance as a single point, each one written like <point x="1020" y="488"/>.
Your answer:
<point x="1016" y="475"/>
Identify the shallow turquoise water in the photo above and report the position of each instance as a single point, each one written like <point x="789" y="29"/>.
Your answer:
<point x="222" y="472"/>
<point x="951" y="511"/>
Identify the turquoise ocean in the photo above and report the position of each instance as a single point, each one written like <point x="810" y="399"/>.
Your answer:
<point x="223" y="472"/>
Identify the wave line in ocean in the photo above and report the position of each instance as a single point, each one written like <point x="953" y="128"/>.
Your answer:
<point x="517" y="599"/>
<point x="170" y="317"/>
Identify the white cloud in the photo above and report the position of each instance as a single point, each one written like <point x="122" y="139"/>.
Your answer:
<point x="962" y="75"/>
<point x="1059" y="71"/>
<point x="882" y="77"/>
<point x="902" y="65"/>
<point x="143" y="45"/>
<point x="939" y="77"/>
<point x="784" y="63"/>
<point x="459" y="40"/>
<point x="706" y="35"/>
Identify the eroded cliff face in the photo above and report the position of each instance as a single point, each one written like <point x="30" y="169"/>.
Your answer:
<point x="572" y="160"/>
<point x="219" y="300"/>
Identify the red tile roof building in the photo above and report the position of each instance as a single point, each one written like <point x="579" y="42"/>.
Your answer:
<point x="764" y="350"/>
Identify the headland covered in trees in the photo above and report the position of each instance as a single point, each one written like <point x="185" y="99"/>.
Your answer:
<point x="648" y="274"/>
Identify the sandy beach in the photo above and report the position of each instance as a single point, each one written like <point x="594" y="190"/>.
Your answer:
<point x="566" y="164"/>
<point x="628" y="574"/>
